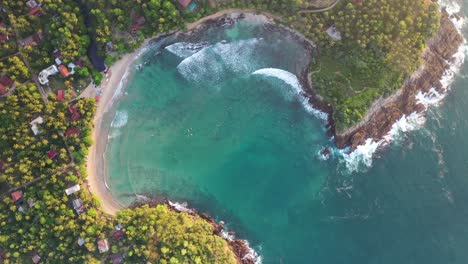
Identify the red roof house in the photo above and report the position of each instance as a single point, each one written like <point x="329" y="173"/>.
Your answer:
<point x="3" y="38"/>
<point x="37" y="38"/>
<point x="35" y="11"/>
<point x="6" y="81"/>
<point x="16" y="195"/>
<point x="75" y="117"/>
<point x="118" y="235"/>
<point x="1" y="165"/>
<point x="184" y="3"/>
<point x="72" y="131"/>
<point x="52" y="154"/>
<point x="59" y="95"/>
<point x="64" y="71"/>
<point x="141" y="20"/>
<point x="97" y="98"/>
<point x="73" y="109"/>
<point x="3" y="89"/>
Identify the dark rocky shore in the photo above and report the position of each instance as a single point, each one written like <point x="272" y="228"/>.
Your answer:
<point x="437" y="58"/>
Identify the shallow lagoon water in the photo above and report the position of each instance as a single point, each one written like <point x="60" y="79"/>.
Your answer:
<point x="197" y="125"/>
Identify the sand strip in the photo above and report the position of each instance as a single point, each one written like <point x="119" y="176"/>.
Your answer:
<point x="95" y="162"/>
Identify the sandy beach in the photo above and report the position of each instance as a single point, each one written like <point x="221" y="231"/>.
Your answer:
<point x="95" y="163"/>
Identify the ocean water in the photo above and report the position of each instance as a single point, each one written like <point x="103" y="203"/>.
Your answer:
<point x="216" y="121"/>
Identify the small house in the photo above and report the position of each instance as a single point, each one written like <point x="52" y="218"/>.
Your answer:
<point x="118" y="235"/>
<point x="64" y="71"/>
<point x="72" y="67"/>
<point x="116" y="258"/>
<point x="44" y="74"/>
<point x="3" y="89"/>
<point x="103" y="245"/>
<point x="334" y="33"/>
<point x="36" y="11"/>
<point x="78" y="206"/>
<point x="31" y="4"/>
<point x="51" y="154"/>
<point x="81" y="241"/>
<point x="6" y="80"/>
<point x="36" y="258"/>
<point x="34" y="125"/>
<point x="16" y="196"/>
<point x="75" y="117"/>
<point x="72" y="109"/>
<point x="72" y="189"/>
<point x="59" y="95"/>
<point x="72" y="131"/>
<point x="58" y="61"/>
<point x="37" y="37"/>
<point x="185" y="3"/>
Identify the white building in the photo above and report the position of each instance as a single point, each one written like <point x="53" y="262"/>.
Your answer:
<point x="72" y="189"/>
<point x="44" y="74"/>
<point x="34" y="125"/>
<point x="334" y="33"/>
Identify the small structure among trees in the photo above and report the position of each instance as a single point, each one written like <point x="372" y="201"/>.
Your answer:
<point x="103" y="245"/>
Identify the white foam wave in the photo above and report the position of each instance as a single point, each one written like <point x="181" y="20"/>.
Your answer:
<point x="213" y="63"/>
<point x="120" y="119"/>
<point x="283" y="75"/>
<point x="293" y="82"/>
<point x="227" y="235"/>
<point x="114" y="134"/>
<point x="181" y="207"/>
<point x="362" y="155"/>
<point x="184" y="50"/>
<point x="252" y="254"/>
<point x="454" y="10"/>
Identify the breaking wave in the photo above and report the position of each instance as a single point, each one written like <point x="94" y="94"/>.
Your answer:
<point x="120" y="119"/>
<point x="292" y="81"/>
<point x="363" y="154"/>
<point x="184" y="50"/>
<point x="213" y="63"/>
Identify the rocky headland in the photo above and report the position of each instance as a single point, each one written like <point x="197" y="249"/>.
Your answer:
<point x="437" y="59"/>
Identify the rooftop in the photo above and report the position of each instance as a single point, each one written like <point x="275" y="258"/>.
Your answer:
<point x="184" y="3"/>
<point x="16" y="195"/>
<point x="64" y="71"/>
<point x="103" y="245"/>
<point x="72" y="189"/>
<point x="59" y="95"/>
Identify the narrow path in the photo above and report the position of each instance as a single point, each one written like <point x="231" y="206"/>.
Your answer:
<point x="230" y="11"/>
<point x="26" y="185"/>
<point x="321" y="9"/>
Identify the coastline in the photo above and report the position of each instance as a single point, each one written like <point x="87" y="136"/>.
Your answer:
<point x="96" y="180"/>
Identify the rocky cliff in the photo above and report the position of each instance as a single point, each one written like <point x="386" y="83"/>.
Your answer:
<point x="385" y="112"/>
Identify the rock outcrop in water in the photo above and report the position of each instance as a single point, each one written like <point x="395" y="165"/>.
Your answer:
<point x="385" y="112"/>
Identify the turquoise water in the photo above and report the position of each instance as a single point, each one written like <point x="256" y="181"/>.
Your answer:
<point x="220" y="126"/>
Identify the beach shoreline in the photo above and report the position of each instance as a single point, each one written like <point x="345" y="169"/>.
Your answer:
<point x="96" y="179"/>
